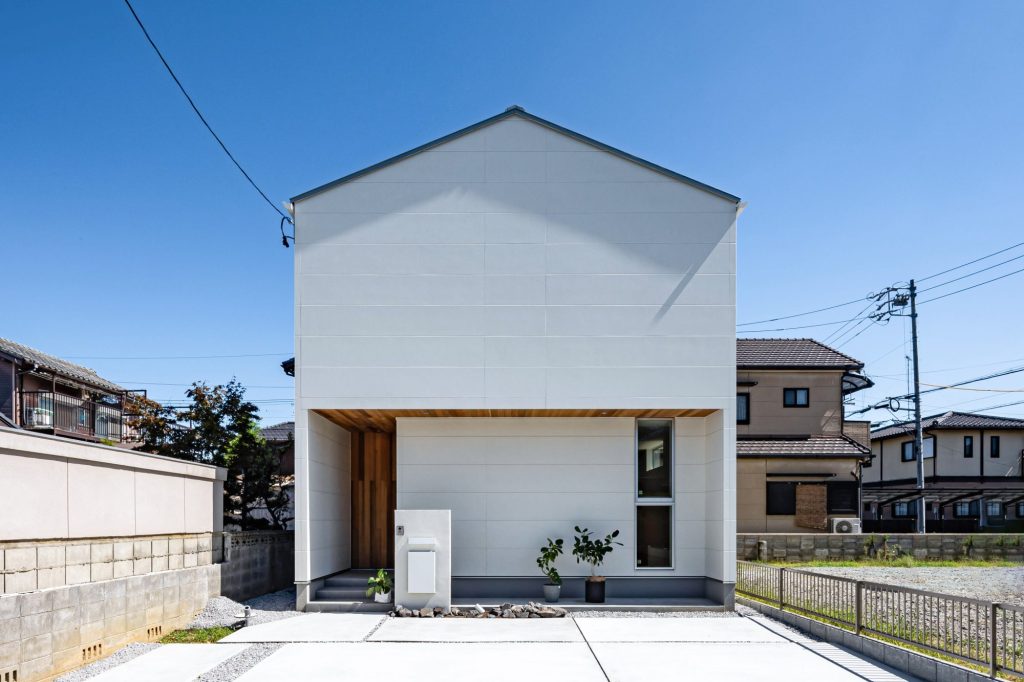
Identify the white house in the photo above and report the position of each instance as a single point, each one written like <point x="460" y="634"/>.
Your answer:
<point x="534" y="330"/>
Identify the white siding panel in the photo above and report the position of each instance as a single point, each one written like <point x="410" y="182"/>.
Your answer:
<point x="641" y="259"/>
<point x="514" y="290"/>
<point x="319" y="229"/>
<point x="640" y="228"/>
<point x="389" y="382"/>
<point x="387" y="290"/>
<point x="515" y="228"/>
<point x="392" y="351"/>
<point x="640" y="290"/>
<point x="652" y="351"/>
<point x="639" y="321"/>
<point x="423" y="320"/>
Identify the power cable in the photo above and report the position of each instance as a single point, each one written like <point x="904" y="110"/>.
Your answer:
<point x="972" y="262"/>
<point x="973" y="286"/>
<point x="284" y="216"/>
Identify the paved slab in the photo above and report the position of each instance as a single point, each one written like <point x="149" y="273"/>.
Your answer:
<point x="311" y="627"/>
<point x="172" y="663"/>
<point x="452" y="662"/>
<point x="675" y="630"/>
<point x="477" y="630"/>
<point x="723" y="662"/>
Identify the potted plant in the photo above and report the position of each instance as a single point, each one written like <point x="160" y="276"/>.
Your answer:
<point x="593" y="551"/>
<point x="546" y="562"/>
<point x="379" y="587"/>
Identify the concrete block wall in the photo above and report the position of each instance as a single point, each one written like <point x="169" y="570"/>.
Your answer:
<point x="820" y="546"/>
<point x="30" y="565"/>
<point x="50" y="631"/>
<point x="256" y="563"/>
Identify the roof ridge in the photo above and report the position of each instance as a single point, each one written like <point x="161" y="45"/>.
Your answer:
<point x="518" y="111"/>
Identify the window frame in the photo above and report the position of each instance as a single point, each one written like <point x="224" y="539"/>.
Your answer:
<point x="669" y="502"/>
<point x="968" y="447"/>
<point x="909" y="513"/>
<point x="994" y="443"/>
<point x="972" y="510"/>
<point x="768" y="497"/>
<point x="796" y="392"/>
<point x="849" y="485"/>
<point x="990" y="515"/>
<point x="903" y="451"/>
<point x="746" y="397"/>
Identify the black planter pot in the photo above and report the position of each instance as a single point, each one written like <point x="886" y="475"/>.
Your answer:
<point x="594" y="591"/>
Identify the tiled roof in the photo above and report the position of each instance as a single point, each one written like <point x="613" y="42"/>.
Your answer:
<point x="59" y="367"/>
<point x="279" y="432"/>
<point x="812" y="446"/>
<point x="950" y="420"/>
<point x="782" y="353"/>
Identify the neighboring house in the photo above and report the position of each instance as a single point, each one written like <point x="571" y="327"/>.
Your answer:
<point x="46" y="394"/>
<point x="797" y="457"/>
<point x="533" y="330"/>
<point x="282" y="437"/>
<point x="972" y="468"/>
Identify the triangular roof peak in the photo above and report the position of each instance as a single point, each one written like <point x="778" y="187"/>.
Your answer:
<point x="519" y="112"/>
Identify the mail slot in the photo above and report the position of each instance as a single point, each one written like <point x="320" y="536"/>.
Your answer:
<point x="421" y="572"/>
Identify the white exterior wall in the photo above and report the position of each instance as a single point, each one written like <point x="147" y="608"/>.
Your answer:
<point x="511" y="483"/>
<point x="517" y="267"/>
<point x="323" y="509"/>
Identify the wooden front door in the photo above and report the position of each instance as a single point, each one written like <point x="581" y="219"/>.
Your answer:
<point x="373" y="499"/>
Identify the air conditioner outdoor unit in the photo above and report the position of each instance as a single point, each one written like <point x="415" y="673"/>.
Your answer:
<point x="845" y="525"/>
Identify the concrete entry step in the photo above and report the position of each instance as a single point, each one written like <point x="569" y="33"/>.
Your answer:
<point x="327" y="606"/>
<point x="346" y="593"/>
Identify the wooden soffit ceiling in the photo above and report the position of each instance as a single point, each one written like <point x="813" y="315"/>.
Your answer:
<point x="384" y="420"/>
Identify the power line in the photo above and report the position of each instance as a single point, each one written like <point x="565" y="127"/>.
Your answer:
<point x="973" y="286"/>
<point x="972" y="262"/>
<point x="284" y="217"/>
<point x="174" y="357"/>
<point x="972" y="274"/>
<point x="809" y="312"/>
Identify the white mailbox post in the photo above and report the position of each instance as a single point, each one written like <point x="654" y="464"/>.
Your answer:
<point x="423" y="558"/>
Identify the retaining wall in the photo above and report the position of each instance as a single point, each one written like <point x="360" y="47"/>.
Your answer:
<point x="818" y="546"/>
<point x="257" y="562"/>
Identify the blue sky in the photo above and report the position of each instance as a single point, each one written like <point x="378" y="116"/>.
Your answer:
<point x="873" y="142"/>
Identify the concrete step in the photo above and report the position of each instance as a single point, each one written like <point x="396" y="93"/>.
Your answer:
<point x="342" y="594"/>
<point x="326" y="606"/>
<point x="350" y="579"/>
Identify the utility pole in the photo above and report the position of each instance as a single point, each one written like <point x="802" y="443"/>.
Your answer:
<point x="918" y="435"/>
<point x="890" y="300"/>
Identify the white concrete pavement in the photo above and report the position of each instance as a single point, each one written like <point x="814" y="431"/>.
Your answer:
<point x="369" y="648"/>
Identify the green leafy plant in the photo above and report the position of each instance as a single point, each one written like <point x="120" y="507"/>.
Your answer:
<point x="546" y="561"/>
<point x="379" y="584"/>
<point x="593" y="551"/>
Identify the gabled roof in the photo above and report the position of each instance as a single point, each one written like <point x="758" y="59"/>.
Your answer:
<point x="950" y="420"/>
<point x="826" y="447"/>
<point x="791" y="354"/>
<point x="279" y="432"/>
<point x="55" y="365"/>
<point x="519" y="112"/>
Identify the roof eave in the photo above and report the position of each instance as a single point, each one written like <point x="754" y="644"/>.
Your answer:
<point x="522" y="113"/>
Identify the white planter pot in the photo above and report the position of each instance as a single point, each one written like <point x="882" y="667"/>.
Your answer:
<point x="382" y="597"/>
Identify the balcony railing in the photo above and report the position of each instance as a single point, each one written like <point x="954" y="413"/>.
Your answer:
<point x="48" y="411"/>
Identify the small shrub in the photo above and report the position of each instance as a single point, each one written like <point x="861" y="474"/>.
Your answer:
<point x="546" y="561"/>
<point x="197" y="636"/>
<point x="378" y="584"/>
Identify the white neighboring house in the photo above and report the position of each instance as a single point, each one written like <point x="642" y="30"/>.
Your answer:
<point x="529" y="328"/>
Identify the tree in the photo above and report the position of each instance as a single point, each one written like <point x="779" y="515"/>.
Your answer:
<point x="219" y="426"/>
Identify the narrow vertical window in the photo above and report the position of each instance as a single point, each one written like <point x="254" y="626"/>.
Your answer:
<point x="907" y="452"/>
<point x="654" y="493"/>
<point x="742" y="408"/>
<point x="993" y="447"/>
<point x="968" y="446"/>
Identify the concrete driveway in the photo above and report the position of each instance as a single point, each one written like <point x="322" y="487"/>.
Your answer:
<point x="368" y="648"/>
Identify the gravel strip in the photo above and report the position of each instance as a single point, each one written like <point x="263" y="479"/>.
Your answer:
<point x="988" y="584"/>
<point x="221" y="611"/>
<point x="651" y="614"/>
<point x="117" y="658"/>
<point x="240" y="663"/>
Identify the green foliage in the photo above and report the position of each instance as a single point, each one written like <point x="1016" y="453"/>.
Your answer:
<point x="379" y="584"/>
<point x="219" y="426"/>
<point x="546" y="561"/>
<point x="197" y="635"/>
<point x="590" y="550"/>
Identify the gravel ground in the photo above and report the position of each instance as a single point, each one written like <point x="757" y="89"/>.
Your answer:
<point x="265" y="608"/>
<point x="117" y="658"/>
<point x="988" y="584"/>
<point x="240" y="663"/>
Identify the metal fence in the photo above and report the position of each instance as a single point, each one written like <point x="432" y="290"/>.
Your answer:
<point x="978" y="632"/>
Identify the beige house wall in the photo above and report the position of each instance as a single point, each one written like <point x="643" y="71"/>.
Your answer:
<point x="58" y="488"/>
<point x="768" y="417"/>
<point x="752" y="477"/>
<point x="949" y="459"/>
